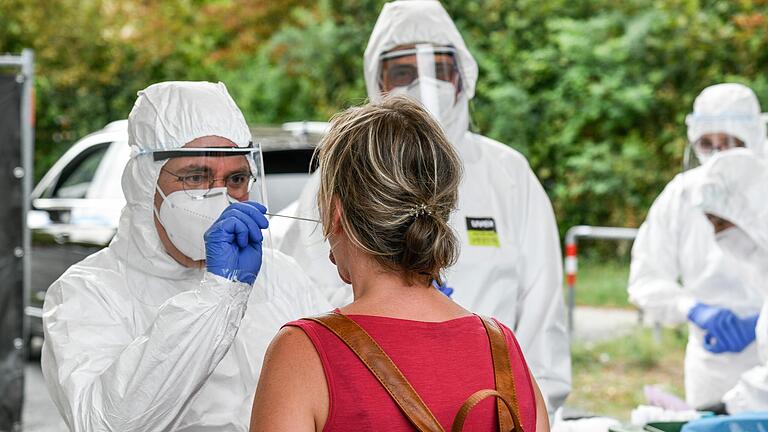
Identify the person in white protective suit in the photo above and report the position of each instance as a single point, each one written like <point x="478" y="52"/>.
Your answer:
<point x="732" y="193"/>
<point x="510" y="262"/>
<point x="160" y="331"/>
<point x="678" y="272"/>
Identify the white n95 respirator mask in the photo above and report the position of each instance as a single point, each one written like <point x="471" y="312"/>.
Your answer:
<point x="186" y="218"/>
<point x="437" y="96"/>
<point x="735" y="242"/>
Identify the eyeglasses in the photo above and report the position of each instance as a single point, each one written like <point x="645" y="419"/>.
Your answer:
<point x="400" y="75"/>
<point x="198" y="184"/>
<point x="400" y="67"/>
<point x="708" y="145"/>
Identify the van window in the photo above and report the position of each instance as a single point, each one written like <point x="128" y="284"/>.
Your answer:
<point x="76" y="177"/>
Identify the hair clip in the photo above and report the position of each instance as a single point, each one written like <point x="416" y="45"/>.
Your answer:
<point x="420" y="210"/>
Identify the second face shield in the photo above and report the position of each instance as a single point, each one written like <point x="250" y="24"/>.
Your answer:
<point x="427" y="73"/>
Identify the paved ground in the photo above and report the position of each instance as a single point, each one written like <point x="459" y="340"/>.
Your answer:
<point x="40" y="414"/>
<point x="591" y="324"/>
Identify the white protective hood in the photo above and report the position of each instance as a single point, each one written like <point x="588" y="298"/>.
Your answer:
<point x="728" y="108"/>
<point x="407" y="22"/>
<point x="734" y="186"/>
<point x="167" y="116"/>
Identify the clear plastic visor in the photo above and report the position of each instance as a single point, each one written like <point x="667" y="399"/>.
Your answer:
<point x="204" y="173"/>
<point x="712" y="133"/>
<point x="402" y="67"/>
<point x="425" y="73"/>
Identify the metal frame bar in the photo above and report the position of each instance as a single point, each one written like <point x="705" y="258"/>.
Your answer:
<point x="26" y="64"/>
<point x="571" y="266"/>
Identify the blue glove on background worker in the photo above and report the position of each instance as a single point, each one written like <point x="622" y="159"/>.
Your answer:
<point x="233" y="243"/>
<point x="725" y="332"/>
<point x="443" y="288"/>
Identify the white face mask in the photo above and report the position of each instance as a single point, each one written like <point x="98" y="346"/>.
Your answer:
<point x="735" y="242"/>
<point x="703" y="157"/>
<point x="186" y="218"/>
<point x="437" y="96"/>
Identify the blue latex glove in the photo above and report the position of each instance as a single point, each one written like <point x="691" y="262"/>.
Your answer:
<point x="725" y="332"/>
<point x="444" y="288"/>
<point x="233" y="242"/>
<point x="737" y="336"/>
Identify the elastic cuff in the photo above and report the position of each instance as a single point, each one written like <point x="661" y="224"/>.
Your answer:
<point x="224" y="289"/>
<point x="684" y="305"/>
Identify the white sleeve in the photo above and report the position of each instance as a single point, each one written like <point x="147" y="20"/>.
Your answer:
<point x="104" y="378"/>
<point x="541" y="325"/>
<point x="655" y="270"/>
<point x="751" y="391"/>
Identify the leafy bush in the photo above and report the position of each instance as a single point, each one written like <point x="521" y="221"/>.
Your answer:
<point x="593" y="92"/>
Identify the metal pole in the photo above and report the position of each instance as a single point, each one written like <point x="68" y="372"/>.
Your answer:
<point x="571" y="255"/>
<point x="28" y="149"/>
<point x="10" y="60"/>
<point x="571" y="267"/>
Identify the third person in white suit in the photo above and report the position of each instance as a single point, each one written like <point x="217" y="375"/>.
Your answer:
<point x="731" y="191"/>
<point x="510" y="261"/>
<point x="678" y="271"/>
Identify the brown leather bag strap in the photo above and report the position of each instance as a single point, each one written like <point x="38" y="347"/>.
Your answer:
<point x="461" y="416"/>
<point x="505" y="380"/>
<point x="382" y="367"/>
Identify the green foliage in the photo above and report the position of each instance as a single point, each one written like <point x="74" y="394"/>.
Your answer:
<point x="92" y="56"/>
<point x="602" y="282"/>
<point x="593" y="92"/>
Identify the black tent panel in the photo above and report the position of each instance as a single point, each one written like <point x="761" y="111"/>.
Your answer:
<point x="11" y="254"/>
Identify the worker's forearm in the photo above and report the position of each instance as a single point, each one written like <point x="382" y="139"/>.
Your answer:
<point x="663" y="300"/>
<point x="151" y="382"/>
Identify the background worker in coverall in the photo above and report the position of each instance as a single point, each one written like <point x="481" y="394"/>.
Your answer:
<point x="510" y="261"/>
<point x="678" y="271"/>
<point x="159" y="331"/>
<point x="732" y="193"/>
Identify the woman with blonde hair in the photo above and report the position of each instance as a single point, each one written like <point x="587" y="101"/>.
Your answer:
<point x="402" y="356"/>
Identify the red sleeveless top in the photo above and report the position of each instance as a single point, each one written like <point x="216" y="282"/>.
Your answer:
<point x="445" y="362"/>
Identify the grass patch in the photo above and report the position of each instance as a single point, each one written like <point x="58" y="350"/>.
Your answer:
<point x="608" y="377"/>
<point x="602" y="283"/>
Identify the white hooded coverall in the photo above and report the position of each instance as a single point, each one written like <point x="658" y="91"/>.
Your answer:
<point x="136" y="342"/>
<point x="675" y="259"/>
<point x="734" y="187"/>
<point x="517" y="280"/>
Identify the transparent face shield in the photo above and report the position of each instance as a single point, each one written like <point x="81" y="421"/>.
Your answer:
<point x="713" y="134"/>
<point x="196" y="185"/>
<point x="427" y="73"/>
<point x="701" y="150"/>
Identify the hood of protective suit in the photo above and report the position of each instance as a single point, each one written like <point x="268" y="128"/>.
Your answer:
<point x="732" y="109"/>
<point x="734" y="186"/>
<point x="406" y="22"/>
<point x="167" y="116"/>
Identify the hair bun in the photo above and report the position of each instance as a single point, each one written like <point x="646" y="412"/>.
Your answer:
<point x="396" y="176"/>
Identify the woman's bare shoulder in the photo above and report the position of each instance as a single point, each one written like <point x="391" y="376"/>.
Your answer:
<point x="292" y="393"/>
